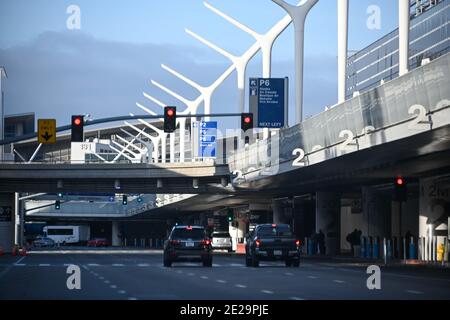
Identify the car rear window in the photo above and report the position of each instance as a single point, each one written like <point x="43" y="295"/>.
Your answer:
<point x="188" y="233"/>
<point x="277" y="231"/>
<point x="221" y="235"/>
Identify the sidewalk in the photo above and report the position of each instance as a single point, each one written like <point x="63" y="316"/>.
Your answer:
<point x="369" y="261"/>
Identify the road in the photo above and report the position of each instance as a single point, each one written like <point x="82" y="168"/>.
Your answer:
<point x="121" y="275"/>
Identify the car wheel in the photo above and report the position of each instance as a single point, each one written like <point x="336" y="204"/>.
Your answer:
<point x="167" y="263"/>
<point x="208" y="263"/>
<point x="248" y="261"/>
<point x="255" y="261"/>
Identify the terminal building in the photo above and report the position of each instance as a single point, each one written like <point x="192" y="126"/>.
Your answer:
<point x="378" y="62"/>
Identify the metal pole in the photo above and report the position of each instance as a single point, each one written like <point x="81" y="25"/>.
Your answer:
<point x="385" y="251"/>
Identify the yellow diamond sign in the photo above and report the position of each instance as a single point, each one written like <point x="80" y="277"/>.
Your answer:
<point x="47" y="131"/>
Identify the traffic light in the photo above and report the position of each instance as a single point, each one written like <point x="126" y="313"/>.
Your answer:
<point x="400" y="189"/>
<point x="124" y="200"/>
<point x="77" y="128"/>
<point x="58" y="205"/>
<point x="170" y="119"/>
<point x="230" y="215"/>
<point x="247" y="121"/>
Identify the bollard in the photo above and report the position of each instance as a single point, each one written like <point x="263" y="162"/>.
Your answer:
<point x="375" y="249"/>
<point x="389" y="249"/>
<point x="368" y="247"/>
<point x="385" y="251"/>
<point x="404" y="248"/>
<point x="412" y="249"/>
<point x="363" y="247"/>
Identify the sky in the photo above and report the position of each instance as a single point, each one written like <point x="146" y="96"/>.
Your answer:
<point x="104" y="67"/>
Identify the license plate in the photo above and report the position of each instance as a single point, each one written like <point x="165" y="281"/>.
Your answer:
<point x="278" y="252"/>
<point x="189" y="244"/>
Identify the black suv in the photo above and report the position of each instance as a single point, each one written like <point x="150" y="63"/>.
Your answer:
<point x="271" y="242"/>
<point x="188" y="243"/>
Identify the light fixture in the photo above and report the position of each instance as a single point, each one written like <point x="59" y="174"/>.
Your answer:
<point x="195" y="183"/>
<point x="59" y="184"/>
<point x="159" y="184"/>
<point x="117" y="185"/>
<point x="224" y="182"/>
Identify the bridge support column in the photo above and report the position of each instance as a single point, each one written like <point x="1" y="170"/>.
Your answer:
<point x="279" y="214"/>
<point x="376" y="213"/>
<point x="434" y="214"/>
<point x="328" y="210"/>
<point x="115" y="234"/>
<point x="7" y="221"/>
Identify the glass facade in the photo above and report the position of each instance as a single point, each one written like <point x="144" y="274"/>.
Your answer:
<point x="429" y="38"/>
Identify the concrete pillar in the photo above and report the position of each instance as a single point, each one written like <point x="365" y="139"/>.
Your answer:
<point x="2" y="111"/>
<point x="434" y="209"/>
<point x="115" y="238"/>
<point x="342" y="48"/>
<point x="7" y="221"/>
<point x="278" y="208"/>
<point x="376" y="213"/>
<point x="328" y="209"/>
<point x="403" y="36"/>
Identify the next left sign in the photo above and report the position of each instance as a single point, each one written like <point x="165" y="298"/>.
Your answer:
<point x="47" y="131"/>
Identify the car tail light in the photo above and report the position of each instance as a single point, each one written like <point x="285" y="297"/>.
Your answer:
<point x="274" y="225"/>
<point x="298" y="243"/>
<point x="175" y="242"/>
<point x="258" y="243"/>
<point x="189" y="228"/>
<point x="206" y="242"/>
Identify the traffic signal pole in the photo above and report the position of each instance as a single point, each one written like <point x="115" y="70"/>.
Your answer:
<point x="119" y="119"/>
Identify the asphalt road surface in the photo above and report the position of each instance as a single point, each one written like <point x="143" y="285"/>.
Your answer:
<point x="141" y="276"/>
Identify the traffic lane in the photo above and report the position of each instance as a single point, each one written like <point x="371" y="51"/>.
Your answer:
<point x="50" y="283"/>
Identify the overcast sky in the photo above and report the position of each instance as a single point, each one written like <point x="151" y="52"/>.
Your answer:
<point x="104" y="67"/>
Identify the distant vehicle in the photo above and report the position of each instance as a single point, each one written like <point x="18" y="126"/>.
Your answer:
<point x="98" y="242"/>
<point x="221" y="240"/>
<point x="42" y="242"/>
<point x="67" y="234"/>
<point x="272" y="242"/>
<point x="188" y="243"/>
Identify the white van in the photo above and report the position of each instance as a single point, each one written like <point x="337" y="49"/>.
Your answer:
<point x="67" y="234"/>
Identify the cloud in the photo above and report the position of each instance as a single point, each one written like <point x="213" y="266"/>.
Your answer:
<point x="63" y="73"/>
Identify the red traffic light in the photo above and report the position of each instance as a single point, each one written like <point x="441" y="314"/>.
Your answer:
<point x="77" y="121"/>
<point x="170" y="112"/>
<point x="400" y="181"/>
<point x="247" y="120"/>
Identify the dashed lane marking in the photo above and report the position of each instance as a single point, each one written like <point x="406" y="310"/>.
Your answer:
<point x="296" y="298"/>
<point x="338" y="281"/>
<point x="414" y="292"/>
<point x="204" y="277"/>
<point x="221" y="281"/>
<point x="267" y="291"/>
<point x="241" y="286"/>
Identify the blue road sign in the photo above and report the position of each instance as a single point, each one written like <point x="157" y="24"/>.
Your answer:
<point x="207" y="139"/>
<point x="269" y="96"/>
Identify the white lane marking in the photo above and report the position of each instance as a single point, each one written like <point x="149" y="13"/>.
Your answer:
<point x="237" y="265"/>
<point x="67" y="264"/>
<point x="204" y="277"/>
<point x="216" y="265"/>
<point x="221" y="281"/>
<point x="143" y="265"/>
<point x="19" y="261"/>
<point x="267" y="291"/>
<point x="414" y="292"/>
<point x="113" y="286"/>
<point x="179" y="271"/>
<point x="241" y="286"/>
<point x="107" y="281"/>
<point x="101" y="278"/>
<point x="296" y="298"/>
<point x="289" y="274"/>
<point x="132" y="298"/>
<point x="118" y="265"/>
<point x="44" y="265"/>
<point x="93" y="265"/>
<point x="313" y="277"/>
<point x="190" y="274"/>
<point x="338" y="281"/>
<point x="121" y="292"/>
